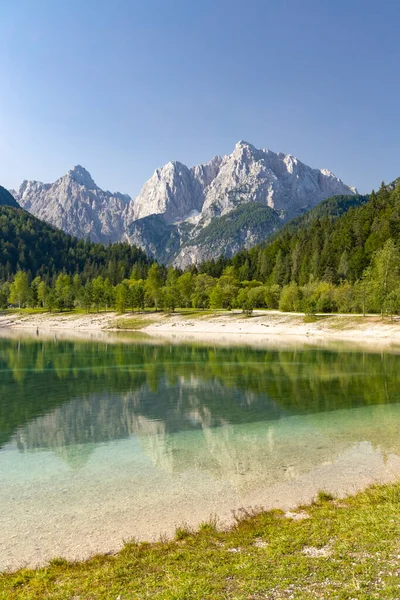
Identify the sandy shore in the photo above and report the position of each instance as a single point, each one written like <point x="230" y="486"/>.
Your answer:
<point x="262" y="327"/>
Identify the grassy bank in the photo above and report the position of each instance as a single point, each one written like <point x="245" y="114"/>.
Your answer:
<point x="331" y="549"/>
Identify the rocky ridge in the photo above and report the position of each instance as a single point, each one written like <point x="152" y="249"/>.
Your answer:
<point x="75" y="204"/>
<point x="185" y="215"/>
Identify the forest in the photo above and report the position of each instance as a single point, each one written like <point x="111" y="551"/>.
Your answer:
<point x="28" y="244"/>
<point x="342" y="256"/>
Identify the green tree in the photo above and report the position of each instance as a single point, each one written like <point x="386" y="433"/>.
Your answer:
<point x="257" y="296"/>
<point x="33" y="296"/>
<point x="224" y="294"/>
<point x="393" y="302"/>
<point x="77" y="289"/>
<point x="43" y="291"/>
<point x="385" y="273"/>
<point x="87" y="296"/>
<point x="4" y="294"/>
<point x="290" y="300"/>
<point x="19" y="289"/>
<point x="278" y="272"/>
<point x="272" y="295"/>
<point x="121" y="297"/>
<point x="153" y="285"/>
<point x="217" y="297"/>
<point x="63" y="292"/>
<point x="344" y="297"/>
<point x="109" y="294"/>
<point x="324" y="297"/>
<point x="98" y="292"/>
<point x="170" y="292"/>
<point x="136" y="294"/>
<point x="363" y="292"/>
<point x="245" y="301"/>
<point x="203" y="286"/>
<point x="186" y="287"/>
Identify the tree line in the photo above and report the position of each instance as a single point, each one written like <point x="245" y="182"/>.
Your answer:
<point x="377" y="290"/>
<point x="332" y="259"/>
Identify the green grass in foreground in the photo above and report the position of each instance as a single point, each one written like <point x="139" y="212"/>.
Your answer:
<point x="337" y="549"/>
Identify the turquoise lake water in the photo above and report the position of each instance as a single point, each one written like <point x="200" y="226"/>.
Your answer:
<point x="102" y="442"/>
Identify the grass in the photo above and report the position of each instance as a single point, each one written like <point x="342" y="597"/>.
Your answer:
<point x="324" y="496"/>
<point x="345" y="549"/>
<point x="349" y="322"/>
<point x="310" y="318"/>
<point x="24" y="311"/>
<point x="53" y="313"/>
<point x="132" y="323"/>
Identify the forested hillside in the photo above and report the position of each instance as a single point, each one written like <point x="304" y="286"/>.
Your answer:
<point x="30" y="245"/>
<point x="341" y="256"/>
<point x="325" y="247"/>
<point x="6" y="199"/>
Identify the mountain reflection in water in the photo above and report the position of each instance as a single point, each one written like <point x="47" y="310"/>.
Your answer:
<point x="139" y="435"/>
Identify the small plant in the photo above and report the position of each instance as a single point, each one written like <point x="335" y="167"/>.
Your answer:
<point x="324" y="496"/>
<point x="183" y="532"/>
<point x="310" y="318"/>
<point x="58" y="561"/>
<point x="210" y="526"/>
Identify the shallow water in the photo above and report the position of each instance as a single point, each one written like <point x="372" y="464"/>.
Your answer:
<point x="105" y="442"/>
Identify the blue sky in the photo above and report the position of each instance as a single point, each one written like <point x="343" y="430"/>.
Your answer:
<point x="123" y="86"/>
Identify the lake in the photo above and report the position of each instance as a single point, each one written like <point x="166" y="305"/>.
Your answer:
<point x="105" y="442"/>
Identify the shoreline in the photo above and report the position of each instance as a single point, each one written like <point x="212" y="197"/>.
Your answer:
<point x="223" y="328"/>
<point x="265" y="544"/>
<point x="350" y="469"/>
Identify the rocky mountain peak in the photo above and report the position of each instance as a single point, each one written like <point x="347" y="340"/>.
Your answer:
<point x="186" y="215"/>
<point x="77" y="205"/>
<point x="81" y="176"/>
<point x="242" y="144"/>
<point x="245" y="151"/>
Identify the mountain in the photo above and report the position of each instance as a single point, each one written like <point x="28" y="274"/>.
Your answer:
<point x="7" y="199"/>
<point x="191" y="203"/>
<point x="75" y="204"/>
<point x="186" y="215"/>
<point x="330" y="209"/>
<point x="333" y="242"/>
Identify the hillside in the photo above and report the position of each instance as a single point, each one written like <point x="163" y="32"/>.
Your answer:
<point x="6" y="199"/>
<point x="241" y="228"/>
<point x="29" y="244"/>
<point x="335" y="240"/>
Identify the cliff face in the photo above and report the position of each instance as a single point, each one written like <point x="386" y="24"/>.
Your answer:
<point x="185" y="215"/>
<point x="77" y="205"/>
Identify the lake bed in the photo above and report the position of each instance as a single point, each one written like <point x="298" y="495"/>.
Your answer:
<point x="102" y="443"/>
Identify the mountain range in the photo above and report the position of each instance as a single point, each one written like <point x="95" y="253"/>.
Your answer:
<point x="182" y="215"/>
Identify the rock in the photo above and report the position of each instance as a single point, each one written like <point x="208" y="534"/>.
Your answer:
<point x="186" y="215"/>
<point x="77" y="205"/>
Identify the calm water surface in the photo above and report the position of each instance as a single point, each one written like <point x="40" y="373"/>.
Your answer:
<point x="105" y="442"/>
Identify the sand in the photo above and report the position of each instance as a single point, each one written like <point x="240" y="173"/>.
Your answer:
<point x="262" y="327"/>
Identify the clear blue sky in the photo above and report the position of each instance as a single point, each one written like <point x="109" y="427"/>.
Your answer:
<point x="124" y="86"/>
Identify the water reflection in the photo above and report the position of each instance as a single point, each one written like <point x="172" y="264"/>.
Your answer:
<point x="98" y="443"/>
<point x="94" y="393"/>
